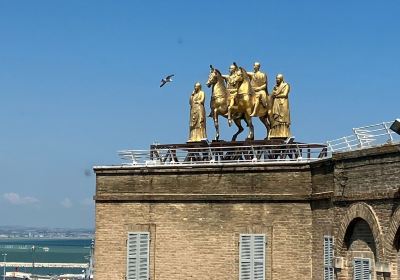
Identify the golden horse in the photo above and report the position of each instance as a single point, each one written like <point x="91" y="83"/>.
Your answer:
<point x="219" y="103"/>
<point x="244" y="101"/>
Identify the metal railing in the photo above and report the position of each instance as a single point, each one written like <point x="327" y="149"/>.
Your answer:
<point x="217" y="153"/>
<point x="209" y="155"/>
<point x="364" y="137"/>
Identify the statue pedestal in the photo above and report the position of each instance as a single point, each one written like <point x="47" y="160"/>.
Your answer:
<point x="237" y="151"/>
<point x="220" y="143"/>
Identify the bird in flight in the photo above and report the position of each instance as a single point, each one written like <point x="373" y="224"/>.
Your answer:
<point x="166" y="80"/>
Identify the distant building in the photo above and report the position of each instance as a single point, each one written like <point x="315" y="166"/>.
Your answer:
<point x="334" y="218"/>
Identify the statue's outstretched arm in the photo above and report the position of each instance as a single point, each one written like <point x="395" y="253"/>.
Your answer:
<point x="250" y="74"/>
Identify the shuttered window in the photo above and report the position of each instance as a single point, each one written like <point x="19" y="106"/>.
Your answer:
<point x="252" y="257"/>
<point x="328" y="258"/>
<point x="138" y="256"/>
<point x="362" y="269"/>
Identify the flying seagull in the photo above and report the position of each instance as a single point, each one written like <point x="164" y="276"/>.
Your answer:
<point x="166" y="80"/>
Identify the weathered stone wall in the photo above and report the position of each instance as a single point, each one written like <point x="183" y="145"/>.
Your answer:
<point x="195" y="216"/>
<point x="367" y="174"/>
<point x="323" y="218"/>
<point x="365" y="186"/>
<point x="205" y="183"/>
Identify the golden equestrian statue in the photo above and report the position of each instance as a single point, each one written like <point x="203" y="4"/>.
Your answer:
<point x="245" y="102"/>
<point x="220" y="100"/>
<point x="243" y="95"/>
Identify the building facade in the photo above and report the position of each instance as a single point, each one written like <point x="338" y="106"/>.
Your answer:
<point x="335" y="218"/>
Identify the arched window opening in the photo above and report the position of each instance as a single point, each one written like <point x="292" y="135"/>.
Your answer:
<point x="360" y="247"/>
<point x="359" y="237"/>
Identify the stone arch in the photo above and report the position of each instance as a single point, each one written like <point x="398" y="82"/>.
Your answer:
<point x="365" y="212"/>
<point x="393" y="239"/>
<point x="393" y="228"/>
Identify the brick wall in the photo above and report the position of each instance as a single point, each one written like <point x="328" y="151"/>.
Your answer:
<point x="200" y="240"/>
<point x="365" y="185"/>
<point x="281" y="182"/>
<point x="195" y="215"/>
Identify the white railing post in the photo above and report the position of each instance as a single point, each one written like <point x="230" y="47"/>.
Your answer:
<point x="329" y="146"/>
<point x="358" y="137"/>
<point x="254" y="153"/>
<point x="388" y="131"/>
<point x="347" y="143"/>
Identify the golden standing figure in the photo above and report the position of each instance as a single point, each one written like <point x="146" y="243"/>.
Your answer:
<point x="280" y="115"/>
<point x="232" y="88"/>
<point x="197" y="115"/>
<point x="259" y="83"/>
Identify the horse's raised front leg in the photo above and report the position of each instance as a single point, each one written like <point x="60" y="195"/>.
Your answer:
<point x="240" y="128"/>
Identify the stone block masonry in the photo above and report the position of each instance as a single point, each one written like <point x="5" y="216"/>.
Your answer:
<point x="195" y="216"/>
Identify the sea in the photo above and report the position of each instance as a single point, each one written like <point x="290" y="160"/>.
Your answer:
<point x="46" y="251"/>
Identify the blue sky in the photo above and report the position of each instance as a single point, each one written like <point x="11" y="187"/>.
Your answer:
<point x="79" y="80"/>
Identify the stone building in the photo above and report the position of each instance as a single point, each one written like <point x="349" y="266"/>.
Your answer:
<point x="333" y="218"/>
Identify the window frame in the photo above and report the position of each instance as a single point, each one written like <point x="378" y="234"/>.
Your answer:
<point x="252" y="250"/>
<point x="139" y="234"/>
<point x="362" y="268"/>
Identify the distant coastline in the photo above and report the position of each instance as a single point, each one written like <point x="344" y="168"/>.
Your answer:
<point x="46" y="238"/>
<point x="44" y="233"/>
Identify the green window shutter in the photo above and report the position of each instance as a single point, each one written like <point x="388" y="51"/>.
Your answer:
<point x="366" y="269"/>
<point x="245" y="257"/>
<point x="138" y="256"/>
<point x="252" y="257"/>
<point x="328" y="258"/>
<point x="259" y="257"/>
<point x="362" y="269"/>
